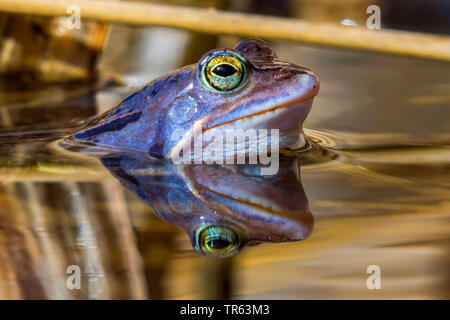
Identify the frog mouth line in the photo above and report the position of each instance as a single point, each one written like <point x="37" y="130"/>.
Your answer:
<point x="301" y="218"/>
<point x="287" y="118"/>
<point x="259" y="206"/>
<point x="254" y="196"/>
<point x="290" y="104"/>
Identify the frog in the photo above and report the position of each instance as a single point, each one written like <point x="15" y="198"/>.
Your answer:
<point x="243" y="88"/>
<point x="223" y="208"/>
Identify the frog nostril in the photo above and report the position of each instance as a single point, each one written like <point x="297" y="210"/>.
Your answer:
<point x="282" y="74"/>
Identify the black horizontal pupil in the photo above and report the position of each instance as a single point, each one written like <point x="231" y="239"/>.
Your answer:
<point x="219" y="244"/>
<point x="224" y="70"/>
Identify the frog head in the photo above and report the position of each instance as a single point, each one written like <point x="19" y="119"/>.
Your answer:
<point x="247" y="87"/>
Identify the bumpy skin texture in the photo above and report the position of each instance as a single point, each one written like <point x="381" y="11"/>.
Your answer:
<point x="276" y="95"/>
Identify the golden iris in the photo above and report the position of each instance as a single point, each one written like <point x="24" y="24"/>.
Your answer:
<point x="224" y="72"/>
<point x="217" y="241"/>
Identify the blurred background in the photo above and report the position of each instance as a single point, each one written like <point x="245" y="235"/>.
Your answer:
<point x="384" y="201"/>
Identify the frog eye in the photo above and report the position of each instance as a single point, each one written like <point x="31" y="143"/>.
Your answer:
<point x="219" y="241"/>
<point x="223" y="72"/>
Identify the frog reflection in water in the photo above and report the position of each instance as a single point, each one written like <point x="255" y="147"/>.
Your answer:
<point x="221" y="207"/>
<point x="242" y="88"/>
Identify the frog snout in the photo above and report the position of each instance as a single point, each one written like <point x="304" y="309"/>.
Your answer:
<point x="310" y="81"/>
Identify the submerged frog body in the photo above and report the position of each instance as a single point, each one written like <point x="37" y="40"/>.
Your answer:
<point x="221" y="207"/>
<point x="241" y="88"/>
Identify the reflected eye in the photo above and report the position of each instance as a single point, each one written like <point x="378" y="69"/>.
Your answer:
<point x="219" y="241"/>
<point x="224" y="72"/>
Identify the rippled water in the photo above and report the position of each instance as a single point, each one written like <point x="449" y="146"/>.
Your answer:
<point x="384" y="200"/>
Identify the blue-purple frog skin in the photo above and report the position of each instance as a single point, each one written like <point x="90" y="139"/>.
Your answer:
<point x="221" y="207"/>
<point x="241" y="88"/>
